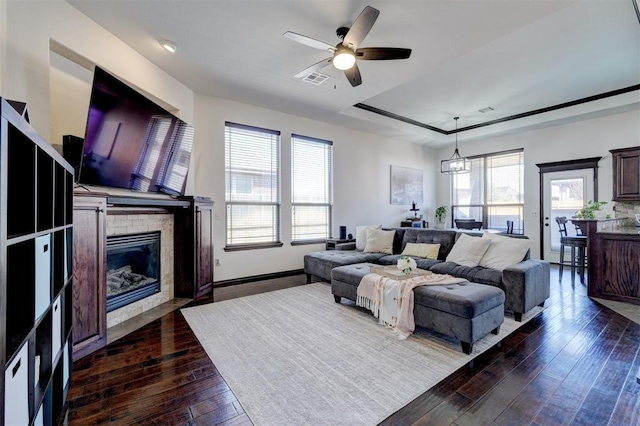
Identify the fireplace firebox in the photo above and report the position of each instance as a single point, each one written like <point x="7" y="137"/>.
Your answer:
<point x="133" y="268"/>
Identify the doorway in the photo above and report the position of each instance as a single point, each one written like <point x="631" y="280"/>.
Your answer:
<point x="565" y="187"/>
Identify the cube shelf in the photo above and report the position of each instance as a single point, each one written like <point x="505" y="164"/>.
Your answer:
<point x="36" y="241"/>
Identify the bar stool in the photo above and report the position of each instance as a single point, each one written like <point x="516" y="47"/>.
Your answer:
<point x="578" y="245"/>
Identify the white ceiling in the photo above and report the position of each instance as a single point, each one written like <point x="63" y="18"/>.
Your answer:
<point x="514" y="56"/>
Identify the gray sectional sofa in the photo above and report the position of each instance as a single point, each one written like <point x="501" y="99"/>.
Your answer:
<point x="525" y="284"/>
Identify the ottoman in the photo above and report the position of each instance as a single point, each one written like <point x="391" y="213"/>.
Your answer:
<point x="466" y="311"/>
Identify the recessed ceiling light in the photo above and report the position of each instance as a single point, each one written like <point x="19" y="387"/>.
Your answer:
<point x="487" y="109"/>
<point x="169" y="46"/>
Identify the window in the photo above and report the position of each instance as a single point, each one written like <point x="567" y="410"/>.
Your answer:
<point x="493" y="192"/>
<point x="176" y="161"/>
<point x="252" y="187"/>
<point x="153" y="140"/>
<point x="311" y="188"/>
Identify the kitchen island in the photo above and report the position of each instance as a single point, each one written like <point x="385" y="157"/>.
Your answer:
<point x="613" y="248"/>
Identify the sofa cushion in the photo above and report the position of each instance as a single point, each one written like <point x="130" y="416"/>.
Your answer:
<point x="352" y="274"/>
<point x="379" y="241"/>
<point x="504" y="251"/>
<point x="467" y="300"/>
<point x="476" y="274"/>
<point x="468" y="251"/>
<point x="421" y="262"/>
<point x="321" y="263"/>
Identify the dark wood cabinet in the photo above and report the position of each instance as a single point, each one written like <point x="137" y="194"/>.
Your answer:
<point x="89" y="262"/>
<point x="194" y="249"/>
<point x="626" y="174"/>
<point x="616" y="270"/>
<point x="36" y="230"/>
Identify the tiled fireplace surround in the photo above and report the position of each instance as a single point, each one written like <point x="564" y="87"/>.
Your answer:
<point x="123" y="223"/>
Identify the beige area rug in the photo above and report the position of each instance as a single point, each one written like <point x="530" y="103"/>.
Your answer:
<point x="295" y="357"/>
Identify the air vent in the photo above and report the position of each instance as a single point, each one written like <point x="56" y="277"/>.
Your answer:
<point x="487" y="109"/>
<point x="315" y="78"/>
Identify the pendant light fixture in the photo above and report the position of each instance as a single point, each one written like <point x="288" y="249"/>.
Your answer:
<point x="455" y="164"/>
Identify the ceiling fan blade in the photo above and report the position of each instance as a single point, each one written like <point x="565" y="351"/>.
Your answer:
<point x="353" y="75"/>
<point x="315" y="67"/>
<point x="361" y="27"/>
<point x="382" y="53"/>
<point x="308" y="41"/>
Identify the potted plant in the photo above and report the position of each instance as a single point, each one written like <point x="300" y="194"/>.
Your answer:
<point x="441" y="213"/>
<point x="589" y="211"/>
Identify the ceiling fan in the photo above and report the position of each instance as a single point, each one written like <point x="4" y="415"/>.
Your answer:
<point x="346" y="52"/>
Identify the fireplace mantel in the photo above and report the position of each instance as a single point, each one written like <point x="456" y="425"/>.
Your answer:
<point x="191" y="218"/>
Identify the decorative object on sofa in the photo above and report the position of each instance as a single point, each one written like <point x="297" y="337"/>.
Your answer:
<point x="346" y="52"/>
<point x="379" y="241"/>
<point x="457" y="163"/>
<point x="468" y="250"/>
<point x="589" y="211"/>
<point x="406" y="185"/>
<point x="441" y="213"/>
<point x="361" y="235"/>
<point x="422" y="250"/>
<point x="504" y="251"/>
<point x="406" y="264"/>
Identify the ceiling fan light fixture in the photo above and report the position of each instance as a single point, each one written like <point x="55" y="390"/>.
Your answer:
<point x="168" y="45"/>
<point x="457" y="163"/>
<point x="344" y="59"/>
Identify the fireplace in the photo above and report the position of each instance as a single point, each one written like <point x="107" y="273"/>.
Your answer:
<point x="133" y="268"/>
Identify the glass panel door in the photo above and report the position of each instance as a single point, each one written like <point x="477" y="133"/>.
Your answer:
<point x="564" y="194"/>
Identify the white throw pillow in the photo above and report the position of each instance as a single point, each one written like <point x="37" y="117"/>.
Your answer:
<point x="361" y="235"/>
<point x="468" y="250"/>
<point x="379" y="241"/>
<point x="427" y="251"/>
<point x="504" y="251"/>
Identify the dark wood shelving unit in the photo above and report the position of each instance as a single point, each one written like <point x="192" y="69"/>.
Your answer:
<point x="35" y="274"/>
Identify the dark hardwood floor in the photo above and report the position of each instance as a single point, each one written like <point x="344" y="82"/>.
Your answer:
<point x="575" y="363"/>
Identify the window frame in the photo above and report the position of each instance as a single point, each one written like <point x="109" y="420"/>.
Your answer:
<point x="328" y="205"/>
<point x="485" y="207"/>
<point x="277" y="204"/>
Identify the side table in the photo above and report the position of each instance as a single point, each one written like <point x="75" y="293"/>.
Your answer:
<point x="333" y="242"/>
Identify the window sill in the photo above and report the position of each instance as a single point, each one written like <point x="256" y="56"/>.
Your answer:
<point x="252" y="246"/>
<point x="308" y="242"/>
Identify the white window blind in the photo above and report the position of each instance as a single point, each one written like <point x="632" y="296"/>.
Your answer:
<point x="252" y="186"/>
<point x="493" y="192"/>
<point x="311" y="188"/>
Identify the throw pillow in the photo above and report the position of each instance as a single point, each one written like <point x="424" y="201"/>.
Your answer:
<point x="504" y="251"/>
<point x="468" y="250"/>
<point x="379" y="241"/>
<point x="427" y="251"/>
<point x="361" y="235"/>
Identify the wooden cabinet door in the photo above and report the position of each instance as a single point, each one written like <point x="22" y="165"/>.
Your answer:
<point x="626" y="174"/>
<point x="204" y="248"/>
<point x="89" y="286"/>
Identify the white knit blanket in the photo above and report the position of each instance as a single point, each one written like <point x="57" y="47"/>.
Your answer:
<point x="392" y="301"/>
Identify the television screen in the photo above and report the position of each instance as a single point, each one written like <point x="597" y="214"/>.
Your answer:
<point x="131" y="142"/>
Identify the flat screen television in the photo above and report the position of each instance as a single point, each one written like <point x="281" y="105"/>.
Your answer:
<point x="131" y="142"/>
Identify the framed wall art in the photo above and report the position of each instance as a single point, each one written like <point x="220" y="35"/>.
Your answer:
<point x="406" y="185"/>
